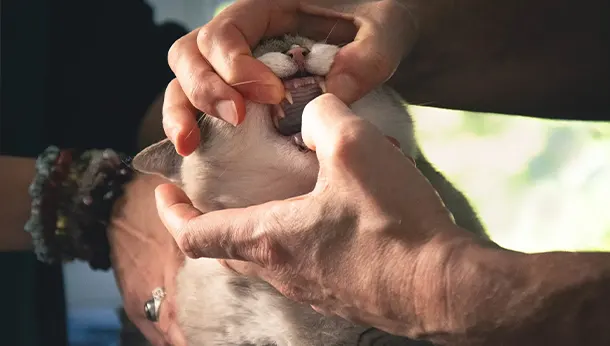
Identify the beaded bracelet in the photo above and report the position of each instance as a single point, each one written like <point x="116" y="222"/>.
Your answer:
<point x="73" y="194"/>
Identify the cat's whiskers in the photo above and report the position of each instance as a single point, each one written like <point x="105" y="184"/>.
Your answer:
<point x="245" y="82"/>
<point x="425" y="104"/>
<point x="331" y="31"/>
<point x="408" y="10"/>
<point x="201" y="117"/>
<point x="223" y="172"/>
<point x="127" y="161"/>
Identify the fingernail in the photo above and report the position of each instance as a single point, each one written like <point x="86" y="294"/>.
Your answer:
<point x="226" y="110"/>
<point x="344" y="86"/>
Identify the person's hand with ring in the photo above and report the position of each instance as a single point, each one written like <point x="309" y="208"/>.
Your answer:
<point x="146" y="260"/>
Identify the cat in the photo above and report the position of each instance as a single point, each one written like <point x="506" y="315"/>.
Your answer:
<point x="265" y="159"/>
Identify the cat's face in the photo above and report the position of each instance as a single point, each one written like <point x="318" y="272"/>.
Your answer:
<point x="301" y="64"/>
<point x="263" y="158"/>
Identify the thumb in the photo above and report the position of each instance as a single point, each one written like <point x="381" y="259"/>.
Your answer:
<point x="241" y="234"/>
<point x="384" y="36"/>
<point x="334" y="132"/>
<point x="326" y="123"/>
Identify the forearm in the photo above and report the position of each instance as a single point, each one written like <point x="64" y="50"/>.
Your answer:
<point x="543" y="58"/>
<point x="500" y="297"/>
<point x="15" y="177"/>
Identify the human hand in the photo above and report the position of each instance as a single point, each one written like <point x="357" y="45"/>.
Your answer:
<point x="145" y="256"/>
<point x="367" y="244"/>
<point x="215" y="69"/>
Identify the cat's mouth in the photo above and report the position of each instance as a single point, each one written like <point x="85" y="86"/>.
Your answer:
<point x="287" y="115"/>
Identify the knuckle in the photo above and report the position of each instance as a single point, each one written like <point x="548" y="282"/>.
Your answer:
<point x="203" y="84"/>
<point x="187" y="244"/>
<point x="175" y="51"/>
<point x="379" y="65"/>
<point x="348" y="140"/>
<point x="219" y="49"/>
<point x="204" y="36"/>
<point x="292" y="292"/>
<point x="269" y="252"/>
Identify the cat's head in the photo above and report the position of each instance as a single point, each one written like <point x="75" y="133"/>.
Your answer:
<point x="263" y="158"/>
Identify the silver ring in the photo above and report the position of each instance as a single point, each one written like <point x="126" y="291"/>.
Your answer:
<point x="151" y="307"/>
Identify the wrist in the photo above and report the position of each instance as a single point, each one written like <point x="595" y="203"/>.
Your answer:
<point x="72" y="196"/>
<point x="418" y="303"/>
<point x="14" y="211"/>
<point x="437" y="290"/>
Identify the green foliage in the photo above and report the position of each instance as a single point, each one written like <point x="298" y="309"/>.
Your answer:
<point x="536" y="183"/>
<point x="601" y="132"/>
<point x="483" y="125"/>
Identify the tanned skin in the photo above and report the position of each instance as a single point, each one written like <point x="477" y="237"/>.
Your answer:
<point x="543" y="58"/>
<point x="501" y="297"/>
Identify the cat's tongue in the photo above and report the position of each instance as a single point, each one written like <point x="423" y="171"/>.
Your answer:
<point x="299" y="92"/>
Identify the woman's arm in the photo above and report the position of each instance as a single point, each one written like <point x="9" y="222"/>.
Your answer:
<point x="17" y="173"/>
<point x="16" y="176"/>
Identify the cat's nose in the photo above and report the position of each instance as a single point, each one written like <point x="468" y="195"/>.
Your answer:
<point x="298" y="54"/>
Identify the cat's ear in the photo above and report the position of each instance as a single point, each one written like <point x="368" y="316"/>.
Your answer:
<point x="161" y="159"/>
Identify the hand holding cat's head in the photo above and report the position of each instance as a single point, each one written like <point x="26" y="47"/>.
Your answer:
<point x="266" y="148"/>
<point x="215" y="71"/>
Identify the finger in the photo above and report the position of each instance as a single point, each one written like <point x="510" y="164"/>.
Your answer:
<point x="323" y="24"/>
<point x="241" y="234"/>
<point x="179" y="119"/>
<point x="321" y="310"/>
<point x="226" y="42"/>
<point x="176" y="211"/>
<point x="394" y="141"/>
<point x="374" y="54"/>
<point x="149" y="329"/>
<point x="204" y="89"/>
<point x="244" y="268"/>
<point x="328" y="125"/>
<point x="175" y="336"/>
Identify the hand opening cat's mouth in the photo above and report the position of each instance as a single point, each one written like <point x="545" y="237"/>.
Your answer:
<point x="288" y="114"/>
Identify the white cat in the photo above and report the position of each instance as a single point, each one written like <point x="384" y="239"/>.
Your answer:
<point x="264" y="159"/>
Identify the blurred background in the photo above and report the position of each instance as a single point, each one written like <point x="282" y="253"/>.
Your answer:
<point x="538" y="185"/>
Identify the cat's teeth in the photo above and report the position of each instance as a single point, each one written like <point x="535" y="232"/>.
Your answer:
<point x="278" y="112"/>
<point x="276" y="122"/>
<point x="322" y="85"/>
<point x="288" y="97"/>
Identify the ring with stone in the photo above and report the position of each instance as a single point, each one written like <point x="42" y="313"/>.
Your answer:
<point x="152" y="306"/>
